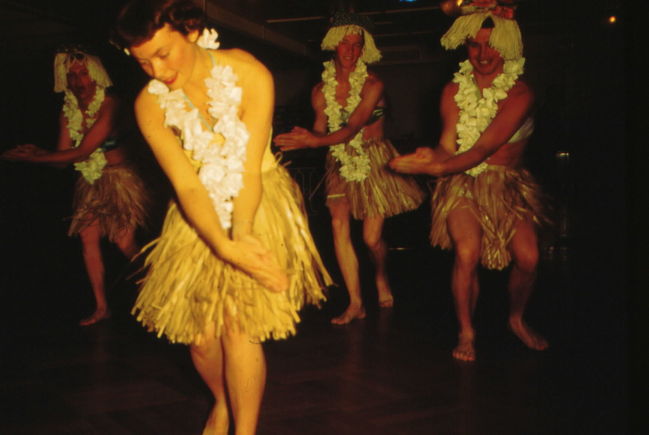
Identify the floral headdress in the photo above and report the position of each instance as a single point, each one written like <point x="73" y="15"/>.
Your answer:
<point x="345" y="23"/>
<point x="505" y="36"/>
<point x="75" y="54"/>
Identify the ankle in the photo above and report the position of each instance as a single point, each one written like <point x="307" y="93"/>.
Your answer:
<point x="466" y="335"/>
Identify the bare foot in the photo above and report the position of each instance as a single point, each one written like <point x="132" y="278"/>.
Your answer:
<point x="465" y="350"/>
<point x="386" y="300"/>
<point x="386" y="303"/>
<point x="96" y="317"/>
<point x="351" y="313"/>
<point x="528" y="336"/>
<point x="218" y="422"/>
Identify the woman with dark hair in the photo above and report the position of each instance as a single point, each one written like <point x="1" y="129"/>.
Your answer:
<point x="109" y="198"/>
<point x="235" y="261"/>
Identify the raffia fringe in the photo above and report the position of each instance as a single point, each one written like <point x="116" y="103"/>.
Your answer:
<point x="499" y="198"/>
<point x="333" y="37"/>
<point x="382" y="193"/>
<point x="505" y="36"/>
<point x="187" y="286"/>
<point x="117" y="201"/>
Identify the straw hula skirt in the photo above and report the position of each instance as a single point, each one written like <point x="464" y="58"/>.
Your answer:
<point x="382" y="193"/>
<point x="499" y="197"/>
<point x="187" y="286"/>
<point x="117" y="202"/>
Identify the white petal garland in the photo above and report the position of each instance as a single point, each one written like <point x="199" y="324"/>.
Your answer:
<point x="221" y="150"/>
<point x="477" y="109"/>
<point x="90" y="168"/>
<point x="352" y="167"/>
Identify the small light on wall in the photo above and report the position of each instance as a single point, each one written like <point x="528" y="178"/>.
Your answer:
<point x="612" y="19"/>
<point x="450" y="7"/>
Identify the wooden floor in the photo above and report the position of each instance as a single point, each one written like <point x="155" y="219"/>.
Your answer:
<point x="391" y="373"/>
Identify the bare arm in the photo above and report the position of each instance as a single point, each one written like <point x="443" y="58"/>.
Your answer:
<point x="319" y="104"/>
<point x="94" y="137"/>
<point x="371" y="94"/>
<point x="427" y="160"/>
<point x="511" y="114"/>
<point x="257" y="114"/>
<point x="194" y="199"/>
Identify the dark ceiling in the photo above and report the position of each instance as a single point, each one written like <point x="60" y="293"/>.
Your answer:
<point x="406" y="31"/>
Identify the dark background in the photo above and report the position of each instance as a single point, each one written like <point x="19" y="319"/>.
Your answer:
<point x="578" y="63"/>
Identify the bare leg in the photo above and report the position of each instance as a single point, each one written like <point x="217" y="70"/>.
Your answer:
<point x="524" y="247"/>
<point x="347" y="261"/>
<point x="372" y="231"/>
<point x="466" y="234"/>
<point x="208" y="360"/>
<point x="127" y="244"/>
<point x="245" y="373"/>
<point x="92" y="258"/>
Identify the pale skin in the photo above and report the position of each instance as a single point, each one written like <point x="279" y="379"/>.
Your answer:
<point x="465" y="230"/>
<point x="348" y="51"/>
<point x="232" y="365"/>
<point x="83" y="87"/>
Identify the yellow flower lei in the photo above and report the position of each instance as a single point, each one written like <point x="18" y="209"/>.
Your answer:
<point x="477" y="109"/>
<point x="354" y="167"/>
<point x="92" y="167"/>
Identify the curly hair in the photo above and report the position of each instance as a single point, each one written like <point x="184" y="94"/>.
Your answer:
<point x="138" y="20"/>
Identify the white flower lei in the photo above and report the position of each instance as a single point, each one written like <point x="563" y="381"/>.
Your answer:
<point x="221" y="170"/>
<point x="352" y="167"/>
<point x="477" y="109"/>
<point x="90" y="168"/>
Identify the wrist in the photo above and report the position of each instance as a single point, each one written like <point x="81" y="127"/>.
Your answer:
<point x="314" y="142"/>
<point x="241" y="228"/>
<point x="225" y="249"/>
<point x="437" y="169"/>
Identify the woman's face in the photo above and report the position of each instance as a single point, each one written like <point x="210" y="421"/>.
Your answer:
<point x="169" y="56"/>
<point x="80" y="82"/>
<point x="349" y="49"/>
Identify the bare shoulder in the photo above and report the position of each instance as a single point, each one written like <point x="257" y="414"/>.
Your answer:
<point x="112" y="98"/>
<point x="450" y="89"/>
<point x="373" y="81"/>
<point x="447" y="99"/>
<point x="317" y="96"/>
<point x="146" y="104"/>
<point x="317" y="90"/>
<point x="521" y="90"/>
<point x="243" y="63"/>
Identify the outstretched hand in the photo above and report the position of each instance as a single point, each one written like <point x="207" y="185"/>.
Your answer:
<point x="422" y="161"/>
<point x="249" y="255"/>
<point x="296" y="139"/>
<point x="22" y="152"/>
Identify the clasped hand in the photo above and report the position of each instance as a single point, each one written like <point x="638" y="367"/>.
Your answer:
<point x="423" y="161"/>
<point x="249" y="255"/>
<point x="296" y="139"/>
<point x="22" y="152"/>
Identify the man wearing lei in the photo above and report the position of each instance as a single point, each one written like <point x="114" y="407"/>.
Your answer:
<point x="349" y="107"/>
<point x="109" y="198"/>
<point x="485" y="205"/>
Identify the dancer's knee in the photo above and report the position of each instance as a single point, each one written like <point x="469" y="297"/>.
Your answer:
<point x="372" y="240"/>
<point x="467" y="255"/>
<point x="527" y="259"/>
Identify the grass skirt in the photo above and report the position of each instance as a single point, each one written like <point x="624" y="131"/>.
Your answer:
<point x="499" y="198"/>
<point x="382" y="193"/>
<point x="117" y="201"/>
<point x="187" y="286"/>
